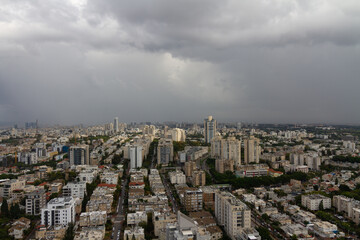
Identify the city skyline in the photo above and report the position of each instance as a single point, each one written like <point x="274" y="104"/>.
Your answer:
<point x="78" y="61"/>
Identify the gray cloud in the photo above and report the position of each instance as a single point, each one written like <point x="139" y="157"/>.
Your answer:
<point x="265" y="61"/>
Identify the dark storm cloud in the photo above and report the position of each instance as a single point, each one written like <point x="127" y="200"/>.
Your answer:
<point x="266" y="61"/>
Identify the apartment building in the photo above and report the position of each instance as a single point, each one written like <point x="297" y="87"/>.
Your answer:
<point x="222" y="165"/>
<point x="231" y="213"/>
<point x="177" y="177"/>
<point x="75" y="190"/>
<point x="59" y="211"/>
<point x="198" y="178"/>
<point x="35" y="201"/>
<point x="313" y="201"/>
<point x="193" y="200"/>
<point x="227" y="149"/>
<point x="165" y="151"/>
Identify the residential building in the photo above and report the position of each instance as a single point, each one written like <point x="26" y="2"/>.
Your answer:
<point x="35" y="201"/>
<point x="59" y="211"/>
<point x="251" y="150"/>
<point x="198" y="178"/>
<point x="165" y="151"/>
<point x="189" y="167"/>
<point x="193" y="200"/>
<point x="227" y="149"/>
<point x="222" y="165"/>
<point x="75" y="190"/>
<point x="79" y="155"/>
<point x="93" y="219"/>
<point x="313" y="201"/>
<point x="231" y="213"/>
<point x="177" y="177"/>
<point x="136" y="157"/>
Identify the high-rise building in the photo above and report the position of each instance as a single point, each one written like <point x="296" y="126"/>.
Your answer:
<point x="35" y="201"/>
<point x="251" y="150"/>
<point x="116" y="125"/>
<point x="227" y="149"/>
<point x="193" y="200"/>
<point x="209" y="128"/>
<point x="79" y="155"/>
<point x="231" y="213"/>
<point x="59" y="211"/>
<point x="135" y="155"/>
<point x="198" y="178"/>
<point x="178" y="135"/>
<point x="165" y="151"/>
<point x="189" y="167"/>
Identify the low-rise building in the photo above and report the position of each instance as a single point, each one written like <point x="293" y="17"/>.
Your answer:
<point x="314" y="201"/>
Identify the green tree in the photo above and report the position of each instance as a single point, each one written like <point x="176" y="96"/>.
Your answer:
<point x="321" y="206"/>
<point x="15" y="211"/>
<point x="5" y="208"/>
<point x="69" y="235"/>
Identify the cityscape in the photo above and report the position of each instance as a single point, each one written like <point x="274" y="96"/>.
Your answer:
<point x="179" y="120"/>
<point x="177" y="181"/>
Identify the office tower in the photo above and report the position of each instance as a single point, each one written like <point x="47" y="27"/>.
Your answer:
<point x="165" y="151"/>
<point x="209" y="128"/>
<point x="116" y="125"/>
<point x="59" y="211"/>
<point x="79" y="155"/>
<point x="135" y="155"/>
<point x="231" y="213"/>
<point x="35" y="201"/>
<point x="227" y="149"/>
<point x="251" y="150"/>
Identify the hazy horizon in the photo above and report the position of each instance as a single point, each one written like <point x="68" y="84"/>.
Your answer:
<point x="77" y="61"/>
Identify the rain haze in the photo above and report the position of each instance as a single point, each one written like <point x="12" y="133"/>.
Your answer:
<point x="281" y="61"/>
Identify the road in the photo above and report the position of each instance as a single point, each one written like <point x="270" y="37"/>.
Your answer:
<point x="169" y="194"/>
<point x="120" y="211"/>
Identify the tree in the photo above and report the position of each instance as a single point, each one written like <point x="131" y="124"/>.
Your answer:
<point x="15" y="211"/>
<point x="321" y="206"/>
<point x="69" y="235"/>
<point x="344" y="188"/>
<point x="5" y="209"/>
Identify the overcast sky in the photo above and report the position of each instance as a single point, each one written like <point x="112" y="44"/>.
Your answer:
<point x="265" y="61"/>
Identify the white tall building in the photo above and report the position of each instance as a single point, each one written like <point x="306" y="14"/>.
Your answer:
<point x="59" y="211"/>
<point x="28" y="158"/>
<point x="226" y="149"/>
<point x="75" y="190"/>
<point x="135" y="155"/>
<point x="251" y="150"/>
<point x="178" y="135"/>
<point x="231" y="213"/>
<point x="116" y="124"/>
<point x="79" y="155"/>
<point x="209" y="128"/>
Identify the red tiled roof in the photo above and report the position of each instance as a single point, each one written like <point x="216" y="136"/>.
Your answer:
<point x="107" y="185"/>
<point x="136" y="183"/>
<point x="43" y="184"/>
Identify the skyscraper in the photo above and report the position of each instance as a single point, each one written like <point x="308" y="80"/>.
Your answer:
<point x="209" y="128"/>
<point x="116" y="125"/>
<point x="79" y="155"/>
<point x="251" y="150"/>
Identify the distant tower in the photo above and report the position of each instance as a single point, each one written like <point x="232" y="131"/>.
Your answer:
<point x="251" y="150"/>
<point x="209" y="128"/>
<point x="116" y="124"/>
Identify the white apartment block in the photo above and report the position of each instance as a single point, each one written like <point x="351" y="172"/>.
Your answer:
<point x="136" y="156"/>
<point x="324" y="229"/>
<point x="177" y="177"/>
<point x="228" y="149"/>
<point x="312" y="202"/>
<point x="231" y="213"/>
<point x="251" y="150"/>
<point x="91" y="219"/>
<point x="109" y="178"/>
<point x="59" y="211"/>
<point x="348" y="205"/>
<point x="75" y="190"/>
<point x="136" y="218"/>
